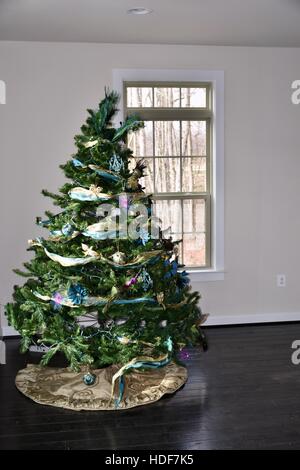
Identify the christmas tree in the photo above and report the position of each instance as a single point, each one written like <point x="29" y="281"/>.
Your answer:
<point x="105" y="287"/>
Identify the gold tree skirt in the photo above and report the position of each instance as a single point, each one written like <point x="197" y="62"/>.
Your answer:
<point x="64" y="388"/>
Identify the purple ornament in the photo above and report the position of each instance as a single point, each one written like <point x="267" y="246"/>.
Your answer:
<point x="57" y="300"/>
<point x="131" y="282"/>
<point x="184" y="355"/>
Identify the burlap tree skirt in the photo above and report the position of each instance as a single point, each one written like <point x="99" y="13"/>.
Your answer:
<point x="64" y="388"/>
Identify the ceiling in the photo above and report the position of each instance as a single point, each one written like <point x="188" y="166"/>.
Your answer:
<point x="204" y="22"/>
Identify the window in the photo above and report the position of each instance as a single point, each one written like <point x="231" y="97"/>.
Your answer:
<point x="215" y="106"/>
<point x="176" y="144"/>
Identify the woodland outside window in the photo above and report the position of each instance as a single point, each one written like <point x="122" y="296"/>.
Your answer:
<point x="176" y="146"/>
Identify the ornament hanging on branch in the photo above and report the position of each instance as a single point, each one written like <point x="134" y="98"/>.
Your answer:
<point x="89" y="378"/>
<point x="56" y="301"/>
<point x="67" y="231"/>
<point x="118" y="257"/>
<point x="77" y="294"/>
<point x="184" y="355"/>
<point x="147" y="282"/>
<point x="124" y="340"/>
<point x="77" y="163"/>
<point x="116" y="163"/>
<point x="144" y="236"/>
<point x="173" y="268"/>
<point x="131" y="282"/>
<point x="160" y="299"/>
<point x="91" y="143"/>
<point x="121" y="321"/>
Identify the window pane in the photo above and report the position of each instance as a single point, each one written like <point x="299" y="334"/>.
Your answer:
<point x="193" y="97"/>
<point x="166" y="97"/>
<point x="169" y="211"/>
<point x="141" y="141"/>
<point x="179" y="246"/>
<point x="194" y="249"/>
<point x="167" y="175"/>
<point x="148" y="180"/>
<point x="167" y="138"/>
<point x="193" y="215"/>
<point x="194" y="175"/>
<point x="193" y="138"/>
<point x="139" y="97"/>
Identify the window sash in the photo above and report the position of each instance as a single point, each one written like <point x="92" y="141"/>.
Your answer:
<point x="181" y="114"/>
<point x="181" y="157"/>
<point x="138" y="84"/>
<point x="207" y="231"/>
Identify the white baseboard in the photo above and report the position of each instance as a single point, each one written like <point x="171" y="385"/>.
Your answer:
<point x="8" y="331"/>
<point x="218" y="320"/>
<point x="2" y="352"/>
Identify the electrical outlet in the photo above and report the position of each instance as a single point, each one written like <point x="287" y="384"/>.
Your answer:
<point x="281" y="280"/>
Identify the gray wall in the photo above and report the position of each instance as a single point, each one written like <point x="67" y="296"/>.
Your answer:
<point x="49" y="87"/>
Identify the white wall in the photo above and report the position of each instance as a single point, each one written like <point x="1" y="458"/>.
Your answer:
<point x="49" y="86"/>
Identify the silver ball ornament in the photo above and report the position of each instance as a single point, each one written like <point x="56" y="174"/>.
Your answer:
<point x="118" y="257"/>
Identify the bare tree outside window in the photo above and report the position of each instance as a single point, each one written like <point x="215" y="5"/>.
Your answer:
<point x="175" y="144"/>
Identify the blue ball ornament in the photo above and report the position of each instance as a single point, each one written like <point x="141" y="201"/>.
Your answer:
<point x="89" y="378"/>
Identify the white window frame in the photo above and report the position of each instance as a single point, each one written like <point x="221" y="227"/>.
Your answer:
<point x="216" y="77"/>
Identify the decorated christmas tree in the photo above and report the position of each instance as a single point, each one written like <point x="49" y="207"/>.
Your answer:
<point x="105" y="286"/>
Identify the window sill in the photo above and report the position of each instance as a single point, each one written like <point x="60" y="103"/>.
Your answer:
<point x="206" y="275"/>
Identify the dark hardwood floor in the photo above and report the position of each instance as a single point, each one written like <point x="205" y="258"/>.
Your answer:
<point x="243" y="393"/>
